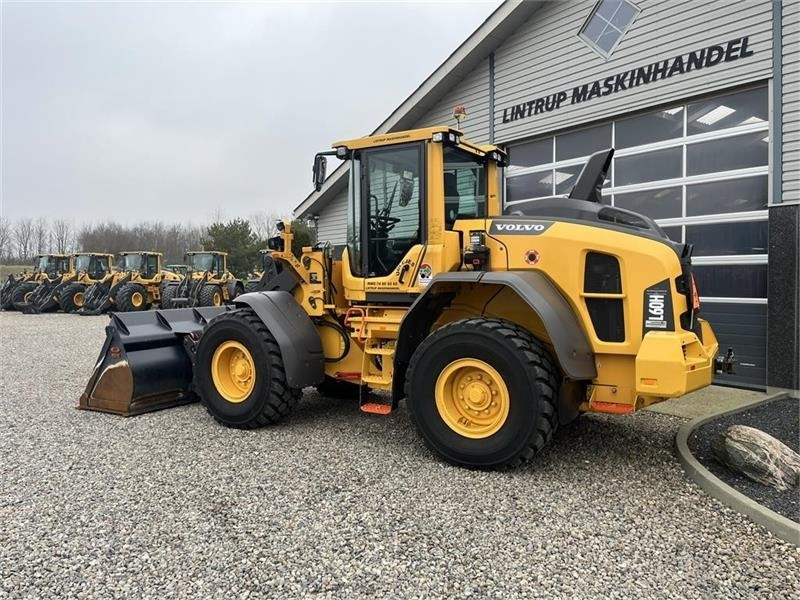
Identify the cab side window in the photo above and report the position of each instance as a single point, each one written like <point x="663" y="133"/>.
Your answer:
<point x="464" y="186"/>
<point x="151" y="267"/>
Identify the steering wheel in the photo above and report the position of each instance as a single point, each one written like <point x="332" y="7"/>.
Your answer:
<point x="381" y="221"/>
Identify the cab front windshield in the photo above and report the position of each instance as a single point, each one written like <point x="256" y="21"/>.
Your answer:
<point x="130" y="262"/>
<point x="202" y="262"/>
<point x="93" y="265"/>
<point x="52" y="264"/>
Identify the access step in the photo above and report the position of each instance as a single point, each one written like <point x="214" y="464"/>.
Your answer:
<point x="376" y="408"/>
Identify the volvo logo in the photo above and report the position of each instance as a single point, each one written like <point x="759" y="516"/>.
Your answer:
<point x="519" y="228"/>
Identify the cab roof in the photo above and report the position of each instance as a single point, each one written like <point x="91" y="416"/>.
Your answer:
<point x="214" y="252"/>
<point x="415" y="135"/>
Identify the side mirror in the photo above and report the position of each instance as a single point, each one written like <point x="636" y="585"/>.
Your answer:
<point x="320" y="166"/>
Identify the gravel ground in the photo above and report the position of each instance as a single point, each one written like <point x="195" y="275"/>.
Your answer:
<point x="333" y="503"/>
<point x="780" y="419"/>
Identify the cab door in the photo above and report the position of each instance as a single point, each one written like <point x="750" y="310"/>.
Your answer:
<point x="392" y="201"/>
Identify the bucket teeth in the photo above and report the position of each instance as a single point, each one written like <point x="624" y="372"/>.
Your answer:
<point x="145" y="364"/>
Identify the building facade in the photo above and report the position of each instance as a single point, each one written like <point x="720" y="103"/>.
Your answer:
<point x="700" y="101"/>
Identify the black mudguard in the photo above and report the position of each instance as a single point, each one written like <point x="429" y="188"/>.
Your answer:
<point x="570" y="342"/>
<point x="295" y="333"/>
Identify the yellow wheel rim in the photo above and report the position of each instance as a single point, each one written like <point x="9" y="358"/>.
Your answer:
<point x="77" y="299"/>
<point x="217" y="299"/>
<point x="233" y="371"/>
<point x="137" y="299"/>
<point x="472" y="398"/>
<point x="28" y="296"/>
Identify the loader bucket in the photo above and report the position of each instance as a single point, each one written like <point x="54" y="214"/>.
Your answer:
<point x="146" y="362"/>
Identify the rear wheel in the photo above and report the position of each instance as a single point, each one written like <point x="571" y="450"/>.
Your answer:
<point x="167" y="294"/>
<point x="211" y="295"/>
<point x="131" y="297"/>
<point x="72" y="297"/>
<point x="482" y="393"/>
<point x="239" y="373"/>
<point x="252" y="286"/>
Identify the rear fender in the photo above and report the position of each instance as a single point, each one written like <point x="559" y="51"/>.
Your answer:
<point x="570" y="342"/>
<point x="295" y="333"/>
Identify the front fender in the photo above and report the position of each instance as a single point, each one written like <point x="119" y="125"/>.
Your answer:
<point x="296" y="335"/>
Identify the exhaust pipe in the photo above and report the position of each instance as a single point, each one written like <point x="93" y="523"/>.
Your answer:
<point x="146" y="361"/>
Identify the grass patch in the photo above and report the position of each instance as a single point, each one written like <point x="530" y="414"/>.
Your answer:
<point x="6" y="270"/>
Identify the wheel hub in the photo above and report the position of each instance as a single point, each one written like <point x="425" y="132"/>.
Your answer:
<point x="472" y="398"/>
<point x="233" y="371"/>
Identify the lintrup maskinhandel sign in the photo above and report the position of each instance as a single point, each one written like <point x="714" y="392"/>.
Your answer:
<point x="683" y="63"/>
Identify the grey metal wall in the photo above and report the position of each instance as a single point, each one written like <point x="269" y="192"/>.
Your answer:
<point x="473" y="93"/>
<point x="332" y="224"/>
<point x="791" y="101"/>
<point x="546" y="56"/>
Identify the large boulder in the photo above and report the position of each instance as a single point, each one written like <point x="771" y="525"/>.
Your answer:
<point x="759" y="456"/>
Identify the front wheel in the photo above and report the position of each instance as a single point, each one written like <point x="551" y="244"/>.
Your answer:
<point x="131" y="297"/>
<point x="252" y="286"/>
<point x="72" y="297"/>
<point x="167" y="294"/>
<point x="211" y="295"/>
<point x="22" y="294"/>
<point x="482" y="393"/>
<point x="239" y="373"/>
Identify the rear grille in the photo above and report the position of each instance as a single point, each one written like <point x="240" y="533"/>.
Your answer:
<point x="601" y="283"/>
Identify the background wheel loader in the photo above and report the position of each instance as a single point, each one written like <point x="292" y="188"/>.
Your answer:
<point x="208" y="282"/>
<point x="41" y="294"/>
<point x="17" y="288"/>
<point x="134" y="287"/>
<point x="496" y="329"/>
<point x="91" y="268"/>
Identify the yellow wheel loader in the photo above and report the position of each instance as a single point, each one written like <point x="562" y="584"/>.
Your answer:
<point x="494" y="328"/>
<point x="18" y="289"/>
<point x="134" y="287"/>
<point x="208" y="282"/>
<point x="91" y="268"/>
<point x="41" y="295"/>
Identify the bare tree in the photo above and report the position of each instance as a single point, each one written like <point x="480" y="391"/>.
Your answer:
<point x="41" y="234"/>
<point x="5" y="238"/>
<point x="63" y="233"/>
<point x="23" y="235"/>
<point x="263" y="224"/>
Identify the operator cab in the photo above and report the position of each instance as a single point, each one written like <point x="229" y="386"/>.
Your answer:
<point x="145" y="263"/>
<point x="213" y="262"/>
<point x="406" y="192"/>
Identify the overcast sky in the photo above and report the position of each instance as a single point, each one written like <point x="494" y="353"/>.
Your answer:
<point x="187" y="111"/>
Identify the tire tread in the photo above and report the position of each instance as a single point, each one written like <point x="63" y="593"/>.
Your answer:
<point x="282" y="398"/>
<point x="536" y="357"/>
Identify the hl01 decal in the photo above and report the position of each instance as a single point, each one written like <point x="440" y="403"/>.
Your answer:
<point x="658" y="308"/>
<point x="519" y="227"/>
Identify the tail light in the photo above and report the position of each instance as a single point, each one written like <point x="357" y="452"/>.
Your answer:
<point x="695" y="295"/>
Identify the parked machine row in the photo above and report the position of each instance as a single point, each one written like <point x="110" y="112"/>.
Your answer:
<point x="89" y="283"/>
